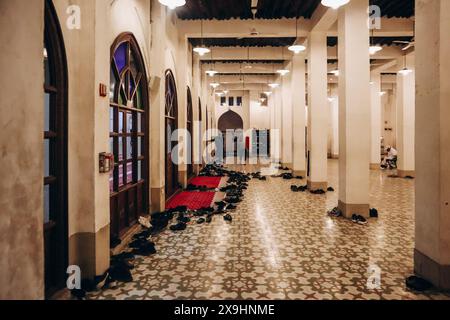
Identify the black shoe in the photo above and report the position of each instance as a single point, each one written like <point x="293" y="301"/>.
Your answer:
<point x="319" y="191"/>
<point x="146" y="249"/>
<point x="231" y="207"/>
<point x="201" y="221"/>
<point x="295" y="189"/>
<point x="330" y="189"/>
<point x="373" y="213"/>
<point x="228" y="218"/>
<point x="355" y="218"/>
<point x="418" y="284"/>
<point x="114" y="242"/>
<point x="335" y="213"/>
<point x="80" y="294"/>
<point x="208" y="219"/>
<point x="184" y="219"/>
<point x="178" y="227"/>
<point x="303" y="188"/>
<point x="120" y="273"/>
<point x="362" y="220"/>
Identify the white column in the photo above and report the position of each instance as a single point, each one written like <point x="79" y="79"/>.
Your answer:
<point x="406" y="119"/>
<point x="375" y="119"/>
<point x="287" y="119"/>
<point x="299" y="115"/>
<point x="276" y="132"/>
<point x="354" y="109"/>
<point x="334" y="106"/>
<point x="432" y="221"/>
<point x="318" y="110"/>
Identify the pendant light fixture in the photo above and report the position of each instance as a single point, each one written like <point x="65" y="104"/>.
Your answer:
<point x="282" y="72"/>
<point x="296" y="48"/>
<point x="248" y="64"/>
<point x="172" y="4"/>
<point x="201" y="50"/>
<point x="212" y="71"/>
<point x="405" y="71"/>
<point x="374" y="48"/>
<point x="273" y="85"/>
<point x="335" y="4"/>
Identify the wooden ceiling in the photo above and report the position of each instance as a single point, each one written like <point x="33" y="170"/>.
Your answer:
<point x="243" y="42"/>
<point x="381" y="41"/>
<point x="276" y="9"/>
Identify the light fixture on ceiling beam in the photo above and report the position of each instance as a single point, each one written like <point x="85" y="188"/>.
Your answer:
<point x="212" y="72"/>
<point x="268" y="93"/>
<point x="335" y="72"/>
<point x="282" y="72"/>
<point x="296" y="48"/>
<point x="274" y="85"/>
<point x="374" y="48"/>
<point x="405" y="71"/>
<point x="214" y="85"/>
<point x="334" y="4"/>
<point x="201" y="50"/>
<point x="172" y="4"/>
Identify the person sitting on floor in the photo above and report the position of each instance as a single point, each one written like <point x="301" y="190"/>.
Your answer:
<point x="390" y="162"/>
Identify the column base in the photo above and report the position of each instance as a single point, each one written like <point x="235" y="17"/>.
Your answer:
<point x="158" y="198"/>
<point x="90" y="251"/>
<point x="427" y="268"/>
<point x="406" y="173"/>
<point x="287" y="165"/>
<point x="183" y="178"/>
<point x="374" y="166"/>
<point x="197" y="169"/>
<point x="301" y="173"/>
<point x="349" y="209"/>
<point x="317" y="185"/>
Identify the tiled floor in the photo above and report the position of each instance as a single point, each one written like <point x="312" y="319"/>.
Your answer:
<point x="282" y="245"/>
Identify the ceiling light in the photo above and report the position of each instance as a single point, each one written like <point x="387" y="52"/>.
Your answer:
<point x="371" y="82"/>
<point x="225" y="91"/>
<point x="331" y="99"/>
<point x="201" y="50"/>
<point x="172" y="4"/>
<point x="335" y="72"/>
<point x="211" y="73"/>
<point x="405" y="71"/>
<point x="297" y="48"/>
<point x="274" y="85"/>
<point x="382" y="93"/>
<point x="375" y="49"/>
<point x="283" y="72"/>
<point x="214" y="85"/>
<point x="219" y="94"/>
<point x="335" y="4"/>
<point x="267" y="93"/>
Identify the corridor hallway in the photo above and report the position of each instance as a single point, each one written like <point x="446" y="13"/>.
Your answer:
<point x="283" y="245"/>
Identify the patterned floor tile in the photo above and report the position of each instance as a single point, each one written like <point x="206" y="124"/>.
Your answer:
<point x="282" y="245"/>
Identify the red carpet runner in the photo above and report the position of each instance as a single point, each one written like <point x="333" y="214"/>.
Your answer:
<point x="208" y="182"/>
<point x="192" y="200"/>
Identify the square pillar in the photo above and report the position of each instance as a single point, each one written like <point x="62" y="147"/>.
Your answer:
<point x="287" y="119"/>
<point x="318" y="111"/>
<point x="432" y="219"/>
<point x="299" y="114"/>
<point x="354" y="109"/>
<point x="375" y="121"/>
<point x="406" y="119"/>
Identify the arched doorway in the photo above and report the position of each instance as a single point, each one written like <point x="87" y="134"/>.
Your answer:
<point x="129" y="109"/>
<point x="171" y="173"/>
<point x="190" y="129"/>
<point x="230" y="120"/>
<point x="55" y="154"/>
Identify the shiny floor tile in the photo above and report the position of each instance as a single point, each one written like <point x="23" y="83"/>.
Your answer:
<point x="282" y="245"/>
